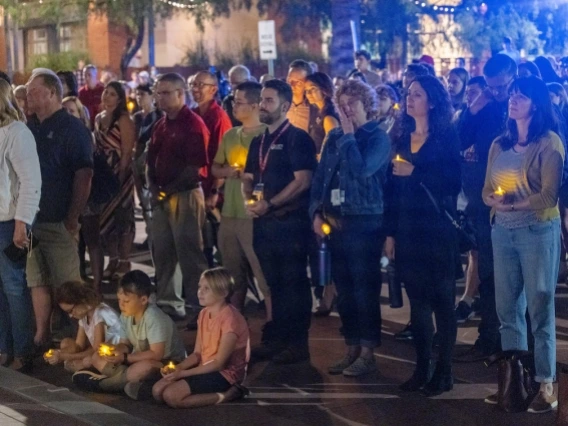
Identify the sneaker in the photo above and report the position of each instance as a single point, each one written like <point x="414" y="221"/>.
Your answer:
<point x="405" y="334"/>
<point x="291" y="355"/>
<point x="491" y="399"/>
<point x="464" y="312"/>
<point x="341" y="365"/>
<point x="88" y="380"/>
<point x="360" y="367"/>
<point x="543" y="403"/>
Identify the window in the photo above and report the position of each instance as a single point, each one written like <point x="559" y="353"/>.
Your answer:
<point x="39" y="41"/>
<point x="65" y="35"/>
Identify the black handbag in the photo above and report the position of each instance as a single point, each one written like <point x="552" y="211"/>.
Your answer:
<point x="105" y="184"/>
<point x="462" y="224"/>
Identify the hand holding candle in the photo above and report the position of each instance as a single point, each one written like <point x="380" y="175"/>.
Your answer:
<point x="500" y="191"/>
<point x="51" y="356"/>
<point x="106" y="350"/>
<point x="401" y="167"/>
<point x="169" y="368"/>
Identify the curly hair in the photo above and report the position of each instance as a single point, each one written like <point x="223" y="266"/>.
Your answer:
<point x="440" y="116"/>
<point x="363" y="92"/>
<point x="77" y="293"/>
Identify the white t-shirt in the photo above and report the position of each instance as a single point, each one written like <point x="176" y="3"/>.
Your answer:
<point x="113" y="327"/>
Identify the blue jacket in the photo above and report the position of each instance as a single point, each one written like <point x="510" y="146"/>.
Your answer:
<point x="363" y="160"/>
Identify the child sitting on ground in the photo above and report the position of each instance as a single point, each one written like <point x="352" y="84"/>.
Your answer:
<point x="214" y="371"/>
<point x="151" y="340"/>
<point x="98" y="323"/>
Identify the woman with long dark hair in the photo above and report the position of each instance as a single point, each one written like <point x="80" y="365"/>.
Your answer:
<point x="420" y="238"/>
<point x="319" y="92"/>
<point x="115" y="137"/>
<point x="69" y="83"/>
<point x="546" y="69"/>
<point x="522" y="183"/>
<point x="457" y="83"/>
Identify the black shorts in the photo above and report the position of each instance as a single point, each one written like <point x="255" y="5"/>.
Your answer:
<point x="207" y="383"/>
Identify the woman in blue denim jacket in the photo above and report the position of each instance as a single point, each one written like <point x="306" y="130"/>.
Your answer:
<point x="347" y="194"/>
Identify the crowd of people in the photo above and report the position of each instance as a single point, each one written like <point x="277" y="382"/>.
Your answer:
<point x="370" y="167"/>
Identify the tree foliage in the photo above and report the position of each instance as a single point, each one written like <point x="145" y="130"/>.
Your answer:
<point x="483" y="32"/>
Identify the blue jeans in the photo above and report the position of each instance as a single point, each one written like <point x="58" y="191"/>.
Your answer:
<point x="526" y="268"/>
<point x="16" y="330"/>
<point x="355" y="249"/>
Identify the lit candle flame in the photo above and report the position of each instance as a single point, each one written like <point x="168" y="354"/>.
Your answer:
<point x="251" y="201"/>
<point x="236" y="165"/>
<point x="326" y="229"/>
<point x="105" y="350"/>
<point x="500" y="191"/>
<point x="161" y="196"/>
<point x="398" y="158"/>
<point x="49" y="353"/>
<point x="171" y="365"/>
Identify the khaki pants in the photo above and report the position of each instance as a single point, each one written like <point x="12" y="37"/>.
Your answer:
<point x="235" y="244"/>
<point x="56" y="259"/>
<point x="177" y="226"/>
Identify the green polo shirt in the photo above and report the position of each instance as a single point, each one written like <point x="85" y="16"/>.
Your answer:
<point x="234" y="150"/>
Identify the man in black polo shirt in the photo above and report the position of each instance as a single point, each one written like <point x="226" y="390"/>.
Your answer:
<point x="276" y="186"/>
<point x="64" y="147"/>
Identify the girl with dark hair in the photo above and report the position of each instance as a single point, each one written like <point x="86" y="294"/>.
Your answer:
<point x="115" y="138"/>
<point x="319" y="92"/>
<point x="69" y="83"/>
<point x="522" y="182"/>
<point x="426" y="168"/>
<point x="98" y="324"/>
<point x="526" y="69"/>
<point x="457" y="82"/>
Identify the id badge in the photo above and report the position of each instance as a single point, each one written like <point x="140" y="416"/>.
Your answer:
<point x="258" y="191"/>
<point x="335" y="197"/>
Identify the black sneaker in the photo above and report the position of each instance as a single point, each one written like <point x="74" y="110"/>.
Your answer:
<point x="405" y="334"/>
<point x="88" y="380"/>
<point x="464" y="312"/>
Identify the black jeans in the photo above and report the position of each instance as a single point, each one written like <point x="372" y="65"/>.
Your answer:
<point x="440" y="299"/>
<point x="355" y="253"/>
<point x="281" y="245"/>
<point x="489" y="340"/>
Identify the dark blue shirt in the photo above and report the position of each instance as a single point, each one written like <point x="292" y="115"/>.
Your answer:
<point x="64" y="145"/>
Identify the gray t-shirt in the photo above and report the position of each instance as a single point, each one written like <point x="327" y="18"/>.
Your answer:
<point x="154" y="327"/>
<point x="507" y="173"/>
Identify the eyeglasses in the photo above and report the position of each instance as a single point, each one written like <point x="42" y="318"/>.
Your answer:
<point x="199" y="85"/>
<point x="235" y="103"/>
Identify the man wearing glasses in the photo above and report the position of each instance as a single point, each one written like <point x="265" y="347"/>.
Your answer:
<point x="301" y="113"/>
<point x="478" y="126"/>
<point x="235" y="232"/>
<point x="177" y="157"/>
<point x="204" y="89"/>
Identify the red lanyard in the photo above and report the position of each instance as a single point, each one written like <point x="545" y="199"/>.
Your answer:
<point x="262" y="161"/>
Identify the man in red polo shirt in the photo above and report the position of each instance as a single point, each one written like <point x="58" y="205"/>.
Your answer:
<point x="91" y="93"/>
<point x="177" y="156"/>
<point x="204" y="88"/>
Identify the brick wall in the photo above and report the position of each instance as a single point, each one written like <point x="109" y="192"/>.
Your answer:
<point x="105" y="42"/>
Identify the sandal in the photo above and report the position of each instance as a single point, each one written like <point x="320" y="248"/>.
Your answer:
<point x="123" y="268"/>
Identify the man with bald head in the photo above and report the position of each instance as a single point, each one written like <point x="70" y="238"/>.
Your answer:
<point x="204" y="88"/>
<point x="237" y="75"/>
